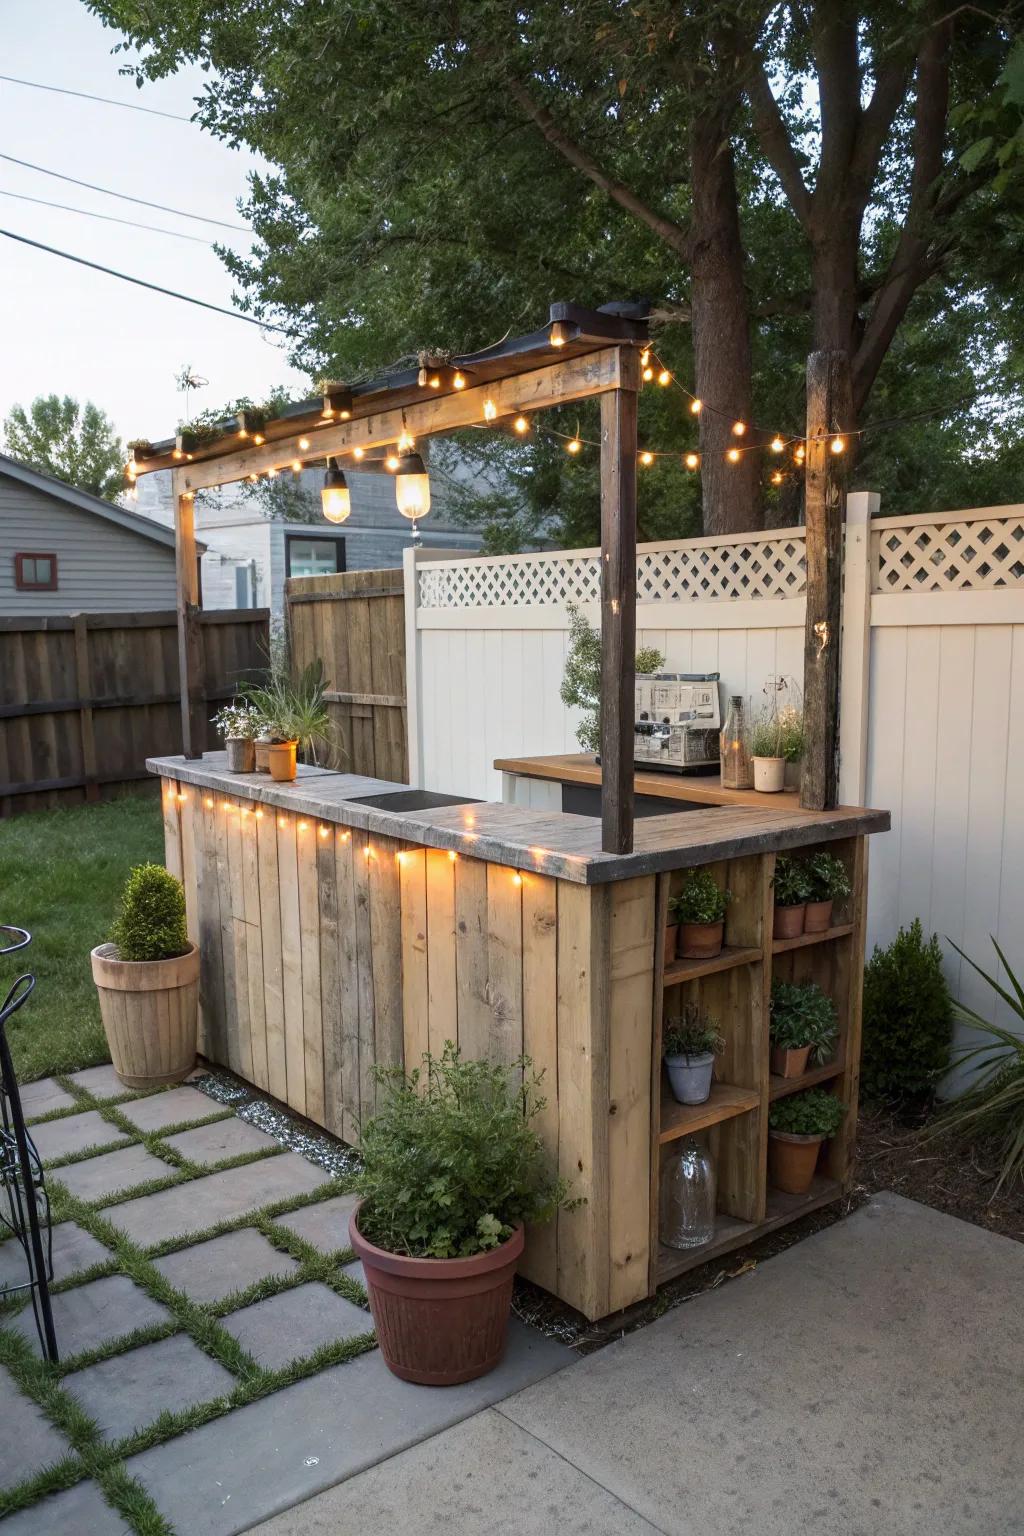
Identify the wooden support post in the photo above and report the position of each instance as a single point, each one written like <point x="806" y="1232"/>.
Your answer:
<point x="829" y="413"/>
<point x="618" y="603"/>
<point x="83" y="687"/>
<point x="190" y="638"/>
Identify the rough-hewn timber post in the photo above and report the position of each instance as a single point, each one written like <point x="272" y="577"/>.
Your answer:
<point x="829" y="413"/>
<point x="618" y="603"/>
<point x="190" y="639"/>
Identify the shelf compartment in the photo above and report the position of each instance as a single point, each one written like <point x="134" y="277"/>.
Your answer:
<point x="684" y="1119"/>
<point x="840" y="931"/>
<point x="732" y="1234"/>
<point x="780" y="1087"/>
<point x="692" y="970"/>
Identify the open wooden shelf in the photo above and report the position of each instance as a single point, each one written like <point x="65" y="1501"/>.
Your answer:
<point x="779" y="946"/>
<point x="693" y="970"/>
<point x="731" y="1234"/>
<point x="779" y="1087"/>
<point x="684" y="1119"/>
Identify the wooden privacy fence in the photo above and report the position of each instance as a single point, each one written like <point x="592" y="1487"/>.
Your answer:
<point x="85" y="698"/>
<point x="355" y="621"/>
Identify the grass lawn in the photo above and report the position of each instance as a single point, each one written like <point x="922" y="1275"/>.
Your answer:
<point x="61" y="874"/>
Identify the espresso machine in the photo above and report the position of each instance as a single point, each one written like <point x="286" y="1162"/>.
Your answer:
<point x="678" y="719"/>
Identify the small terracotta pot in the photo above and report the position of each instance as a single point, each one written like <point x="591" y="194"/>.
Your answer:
<point x="789" y="1061"/>
<point x="769" y="774"/>
<point x="671" y="941"/>
<point x="439" y="1321"/>
<point x="792" y="1160"/>
<point x="700" y="941"/>
<point x="818" y="916"/>
<point x="262" y="756"/>
<point x="281" y="758"/>
<point x="150" y="1013"/>
<point x="789" y="921"/>
<point x="241" y="754"/>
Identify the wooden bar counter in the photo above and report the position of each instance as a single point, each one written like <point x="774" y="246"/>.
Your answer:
<point x="336" y="934"/>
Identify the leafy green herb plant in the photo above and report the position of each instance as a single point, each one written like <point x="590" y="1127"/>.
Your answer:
<point x="908" y="1023"/>
<point x="700" y="900"/>
<point x="828" y="877"/>
<point x="791" y="739"/>
<point x="581" y="682"/>
<point x="766" y="736"/>
<point x="692" y="1033"/>
<point x="791" y="881"/>
<point x="151" y="923"/>
<point x="814" y="1112"/>
<point x="802" y="1014"/>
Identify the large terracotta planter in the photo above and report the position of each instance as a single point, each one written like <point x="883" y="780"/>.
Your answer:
<point x="818" y="916"/>
<point x="439" y="1321"/>
<point x="788" y="922"/>
<point x="792" y="1160"/>
<point x="700" y="941"/>
<point x="281" y="760"/>
<point x="789" y="1061"/>
<point x="150" y="1010"/>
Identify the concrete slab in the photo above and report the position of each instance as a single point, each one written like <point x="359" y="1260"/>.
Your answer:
<point x="486" y="1477"/>
<point x="323" y="1226"/>
<point x="78" y="1511"/>
<point x="28" y="1441"/>
<point x="129" y="1391"/>
<point x="175" y="1106"/>
<point x="210" y="1271"/>
<point x="112" y="1172"/>
<point x="209" y="1144"/>
<point x="868" y="1380"/>
<point x="202" y="1203"/>
<point x="294" y="1323"/>
<point x="254" y="1463"/>
<point x="61" y="1138"/>
<point x="355" y="1272"/>
<point x="92" y="1314"/>
<point x="43" y="1097"/>
<point x="101" y="1082"/>
<point x="73" y="1251"/>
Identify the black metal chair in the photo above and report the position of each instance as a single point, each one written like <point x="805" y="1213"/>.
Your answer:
<point x="21" y="1170"/>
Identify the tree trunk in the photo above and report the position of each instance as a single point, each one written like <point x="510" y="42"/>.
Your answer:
<point x="721" y="335"/>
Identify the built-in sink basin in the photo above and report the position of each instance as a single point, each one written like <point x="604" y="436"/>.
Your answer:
<point x="411" y="800"/>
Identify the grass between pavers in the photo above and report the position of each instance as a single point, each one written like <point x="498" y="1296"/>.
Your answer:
<point x="61" y="873"/>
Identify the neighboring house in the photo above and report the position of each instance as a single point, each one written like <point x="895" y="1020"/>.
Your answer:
<point x="65" y="551"/>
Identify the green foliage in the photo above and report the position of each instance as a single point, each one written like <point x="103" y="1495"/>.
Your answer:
<point x="451" y="1160"/>
<point x="815" y="1112"/>
<point x="73" y="442"/>
<point x="581" y="682"/>
<point x="992" y="1109"/>
<point x="151" y="925"/>
<point x="828" y="877"/>
<point x="238" y="722"/>
<point x="908" y="1020"/>
<point x="766" y="736"/>
<point x="802" y="1014"/>
<point x="791" y="881"/>
<point x="290" y="711"/>
<point x="791" y="742"/>
<point x="692" y="1033"/>
<point x="700" y="900"/>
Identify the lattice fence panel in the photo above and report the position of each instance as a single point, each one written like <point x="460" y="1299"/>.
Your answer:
<point x="958" y="556"/>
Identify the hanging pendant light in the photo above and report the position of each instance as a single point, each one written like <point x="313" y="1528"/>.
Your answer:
<point x="412" y="489"/>
<point x="335" y="498"/>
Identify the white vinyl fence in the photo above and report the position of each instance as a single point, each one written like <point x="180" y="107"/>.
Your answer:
<point x="932" y="711"/>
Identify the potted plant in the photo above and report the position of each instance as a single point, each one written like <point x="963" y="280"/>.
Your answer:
<point x="692" y="1041"/>
<point x="792" y="888"/>
<point x="802" y="1027"/>
<point x="797" y="1126"/>
<point x="767" y="755"/>
<point x="829" y="882"/>
<point x="581" y="681"/>
<point x="294" y="716"/>
<point x="239" y="724"/>
<point x="147" y="978"/>
<point x="698" y="913"/>
<point x="452" y="1170"/>
<point x="791" y="744"/>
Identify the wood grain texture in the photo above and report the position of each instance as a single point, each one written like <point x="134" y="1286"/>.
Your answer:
<point x="618" y="605"/>
<point x="630" y="1043"/>
<point x="504" y="963"/>
<point x="348" y="982"/>
<point x="306" y="840"/>
<point x="386" y="953"/>
<point x="415" y="974"/>
<point x="471" y="975"/>
<point x="254" y="950"/>
<point x="273" y="961"/>
<point x="442" y="1002"/>
<point x="291" y="963"/>
<point x="332" y="1016"/>
<point x="363" y="852"/>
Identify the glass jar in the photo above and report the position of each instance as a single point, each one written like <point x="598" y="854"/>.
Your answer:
<point x="734" y="748"/>
<point x="687" y="1205"/>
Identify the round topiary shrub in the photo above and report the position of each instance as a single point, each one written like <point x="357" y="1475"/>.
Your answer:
<point x="908" y="1023"/>
<point x="151" y="925"/>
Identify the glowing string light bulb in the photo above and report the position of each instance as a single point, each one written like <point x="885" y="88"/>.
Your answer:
<point x="799" y="453"/>
<point x="490" y="410"/>
<point x="777" y="477"/>
<point x="357" y="453"/>
<point x="733" y="455"/>
<point x="695" y="406"/>
<point x="406" y="442"/>
<point x="459" y="381"/>
<point x="777" y="444"/>
<point x="647" y="458"/>
<point x="521" y="425"/>
<point x="304" y="443"/>
<point x="739" y="428"/>
<point x="573" y="445"/>
<point x="664" y="377"/>
<point x="838" y="444"/>
<point x="692" y="461"/>
<point x="648" y="373"/>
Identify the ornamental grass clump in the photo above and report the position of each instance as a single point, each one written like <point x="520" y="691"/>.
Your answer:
<point x="151" y="924"/>
<point x="451" y="1161"/>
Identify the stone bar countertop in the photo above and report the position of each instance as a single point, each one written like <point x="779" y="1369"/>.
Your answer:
<point x="546" y="842"/>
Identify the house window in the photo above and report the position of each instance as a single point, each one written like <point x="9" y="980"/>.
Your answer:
<point x="306" y="556"/>
<point x="35" y="573"/>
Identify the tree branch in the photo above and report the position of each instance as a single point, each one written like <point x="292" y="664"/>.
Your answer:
<point x="771" y="129"/>
<point x="891" y="84"/>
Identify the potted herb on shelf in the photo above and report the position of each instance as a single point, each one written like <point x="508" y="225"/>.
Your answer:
<point x="792" y="888"/>
<point x="802" y="1027"/>
<point x="239" y="724"/>
<point x="829" y="882"/>
<point x="452" y="1170"/>
<point x="791" y="744"/>
<point x="692" y="1041"/>
<point x="698" y="918"/>
<point x="147" y="978"/>
<point x="767" y="756"/>
<point x="797" y="1126"/>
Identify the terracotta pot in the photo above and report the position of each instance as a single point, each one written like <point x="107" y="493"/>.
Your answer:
<point x="818" y="916"/>
<point x="262" y="756"/>
<point x="789" y="921"/>
<point x="241" y="754"/>
<point x="700" y="941"/>
<point x="789" y="1061"/>
<point x="281" y="758"/>
<point x="690" y="1077"/>
<point x="149" y="1010"/>
<point x="792" y="1160"/>
<point x="671" y="941"/>
<point x="769" y="774"/>
<point x="439" y="1321"/>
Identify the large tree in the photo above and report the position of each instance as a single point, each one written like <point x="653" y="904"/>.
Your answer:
<point x="775" y="178"/>
<point x="74" y="442"/>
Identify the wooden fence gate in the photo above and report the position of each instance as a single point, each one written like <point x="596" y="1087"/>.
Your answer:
<point x="355" y="621"/>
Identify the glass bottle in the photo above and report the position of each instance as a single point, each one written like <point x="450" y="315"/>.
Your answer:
<point x="687" y="1205"/>
<point x="734" y="748"/>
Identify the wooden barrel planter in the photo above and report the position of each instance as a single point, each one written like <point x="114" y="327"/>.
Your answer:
<point x="149" y="1010"/>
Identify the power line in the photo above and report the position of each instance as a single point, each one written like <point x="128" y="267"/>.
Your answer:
<point x="108" y="218"/>
<point x="234" y="314"/>
<point x="108" y="101"/>
<point x="125" y="197"/>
